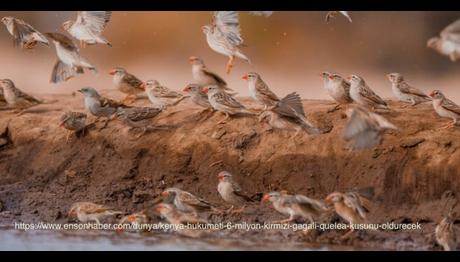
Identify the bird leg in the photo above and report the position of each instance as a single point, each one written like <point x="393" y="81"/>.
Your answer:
<point x="68" y="136"/>
<point x="106" y="122"/>
<point x="237" y="211"/>
<point x="448" y="125"/>
<point x="284" y="221"/>
<point x="229" y="66"/>
<point x="225" y="119"/>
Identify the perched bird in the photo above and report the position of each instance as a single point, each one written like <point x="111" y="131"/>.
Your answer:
<point x="361" y="93"/>
<point x="186" y="202"/>
<point x="136" y="220"/>
<point x="448" y="43"/>
<point x="138" y="117"/>
<point x="24" y="35"/>
<point x="332" y="14"/>
<point x="295" y="206"/>
<point x="87" y="211"/>
<point x="364" y="128"/>
<point x="337" y="88"/>
<point x="15" y="97"/>
<point x="88" y="27"/>
<point x="349" y="207"/>
<point x="231" y="192"/>
<point x="204" y="77"/>
<point x="224" y="102"/>
<point x="223" y="36"/>
<point x="198" y="96"/>
<point x="445" y="233"/>
<point x="70" y="63"/>
<point x="445" y="108"/>
<point x="100" y="106"/>
<point x="288" y="114"/>
<point x="161" y="95"/>
<point x="126" y="82"/>
<point x="260" y="91"/>
<point x="404" y="92"/>
<point x="73" y="121"/>
<point x="2" y="97"/>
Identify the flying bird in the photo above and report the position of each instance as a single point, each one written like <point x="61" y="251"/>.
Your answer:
<point x="332" y="14"/>
<point x="448" y="42"/>
<point x="24" y="35"/>
<point x="88" y="27"/>
<point x="70" y="63"/>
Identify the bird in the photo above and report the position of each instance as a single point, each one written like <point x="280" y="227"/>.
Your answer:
<point x="445" y="108"/>
<point x="404" y="92"/>
<point x="139" y="117"/>
<point x="445" y="233"/>
<point x="187" y="202"/>
<point x="87" y="211"/>
<point x="261" y="13"/>
<point x="225" y="103"/>
<point x="161" y="95"/>
<point x="337" y="87"/>
<point x="2" y="97"/>
<point x="361" y="93"/>
<point x="288" y="114"/>
<point x="349" y="207"/>
<point x="88" y="27"/>
<point x="223" y="36"/>
<point x="198" y="96"/>
<point x="260" y="91"/>
<point x="295" y="206"/>
<point x="448" y="42"/>
<point x="70" y="63"/>
<point x="100" y="106"/>
<point x="24" y="35"/>
<point x="204" y="77"/>
<point x="174" y="216"/>
<point x="231" y="192"/>
<point x="126" y="83"/>
<point x="73" y="121"/>
<point x="16" y="98"/>
<point x="135" y="220"/>
<point x="364" y="128"/>
<point x="332" y="14"/>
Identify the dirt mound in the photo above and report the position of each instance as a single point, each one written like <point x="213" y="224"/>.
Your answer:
<point x="411" y="172"/>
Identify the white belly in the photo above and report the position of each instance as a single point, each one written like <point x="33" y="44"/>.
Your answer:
<point x="217" y="46"/>
<point x="336" y="91"/>
<point x="65" y="56"/>
<point x="400" y="95"/>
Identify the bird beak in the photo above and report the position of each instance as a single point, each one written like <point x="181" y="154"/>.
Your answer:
<point x="112" y="72"/>
<point x="245" y="77"/>
<point x="61" y="124"/>
<point x="186" y="89"/>
<point x="328" y="200"/>
<point x="191" y="59"/>
<point x="205" y="90"/>
<point x="164" y="194"/>
<point x="266" y="198"/>
<point x="143" y="85"/>
<point x="431" y="94"/>
<point x="113" y="117"/>
<point x="348" y="78"/>
<point x="79" y="90"/>
<point x="131" y="218"/>
<point x="203" y="28"/>
<point x="331" y="77"/>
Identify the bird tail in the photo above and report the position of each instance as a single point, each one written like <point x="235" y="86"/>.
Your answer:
<point x="63" y="72"/>
<point x="104" y="41"/>
<point x="239" y="54"/>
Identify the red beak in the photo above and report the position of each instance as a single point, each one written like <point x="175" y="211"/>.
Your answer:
<point x="205" y="90"/>
<point x="331" y="77"/>
<point x="245" y="77"/>
<point x="186" y="89"/>
<point x="112" y="72"/>
<point x="349" y="78"/>
<point x="164" y="193"/>
<point x="143" y="86"/>
<point x="191" y="59"/>
<point x="431" y="94"/>
<point x="61" y="124"/>
<point x="266" y="198"/>
<point x="328" y="200"/>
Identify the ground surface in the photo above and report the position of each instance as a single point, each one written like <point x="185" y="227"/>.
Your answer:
<point x="412" y="172"/>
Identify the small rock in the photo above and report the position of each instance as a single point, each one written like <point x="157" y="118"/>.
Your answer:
<point x="412" y="142"/>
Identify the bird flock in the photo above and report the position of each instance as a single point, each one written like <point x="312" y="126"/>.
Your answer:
<point x="210" y="91"/>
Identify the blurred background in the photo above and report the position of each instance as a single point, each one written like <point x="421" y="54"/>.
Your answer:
<point x="288" y="49"/>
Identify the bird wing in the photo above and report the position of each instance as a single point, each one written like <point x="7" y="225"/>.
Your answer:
<point x="19" y="93"/>
<point x="265" y="91"/>
<point x="216" y="77"/>
<point x="308" y="203"/>
<point x="193" y="200"/>
<point x="132" y="81"/>
<point x="452" y="32"/>
<point x="368" y="94"/>
<point x="228" y="24"/>
<point x="22" y="29"/>
<point x="63" y="72"/>
<point x="289" y="103"/>
<point x="239" y="192"/>
<point x="166" y="92"/>
<point x="407" y="89"/>
<point x="361" y="130"/>
<point x="227" y="100"/>
<point x="352" y="201"/>
<point x="451" y="106"/>
<point x="346" y="14"/>
<point x="141" y="113"/>
<point x="95" y="21"/>
<point x="261" y="13"/>
<point x="65" y="41"/>
<point x="107" y="102"/>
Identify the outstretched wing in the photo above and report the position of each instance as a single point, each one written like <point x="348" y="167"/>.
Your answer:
<point x="94" y="20"/>
<point x="451" y="106"/>
<point x="361" y="130"/>
<point x="452" y="32"/>
<point x="228" y="24"/>
<point x="65" y="41"/>
<point x="218" y="79"/>
<point x="288" y="103"/>
<point x="261" y="13"/>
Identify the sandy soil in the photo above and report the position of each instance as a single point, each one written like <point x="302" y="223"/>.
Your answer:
<point x="412" y="172"/>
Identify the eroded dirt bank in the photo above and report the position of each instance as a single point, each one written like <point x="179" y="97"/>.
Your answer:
<point x="412" y="172"/>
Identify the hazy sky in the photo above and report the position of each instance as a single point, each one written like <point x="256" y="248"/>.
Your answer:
<point x="288" y="49"/>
